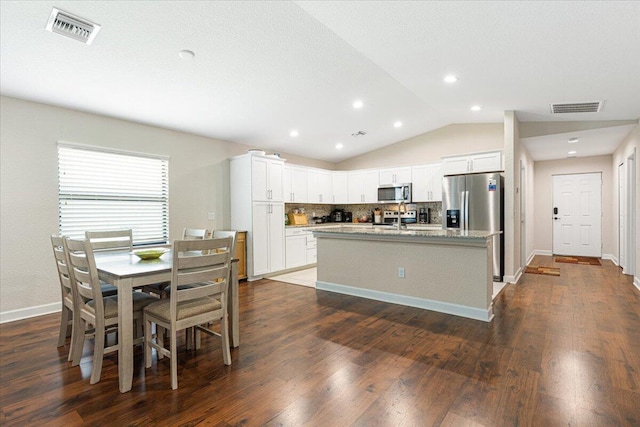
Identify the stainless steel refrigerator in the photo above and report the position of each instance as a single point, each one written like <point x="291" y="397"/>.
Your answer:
<point x="475" y="202"/>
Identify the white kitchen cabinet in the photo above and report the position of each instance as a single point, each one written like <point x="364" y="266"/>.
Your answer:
<point x="295" y="184"/>
<point x="427" y="182"/>
<point x="363" y="186"/>
<point x="262" y="219"/>
<point x="319" y="186"/>
<point x="266" y="179"/>
<point x="296" y="247"/>
<point x="267" y="238"/>
<point x="312" y="248"/>
<point x="473" y="163"/>
<point x="339" y="187"/>
<point x="391" y="176"/>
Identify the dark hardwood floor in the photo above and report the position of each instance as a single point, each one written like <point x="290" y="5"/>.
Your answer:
<point x="561" y="351"/>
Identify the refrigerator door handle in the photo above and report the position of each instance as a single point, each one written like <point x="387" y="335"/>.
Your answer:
<point x="465" y="210"/>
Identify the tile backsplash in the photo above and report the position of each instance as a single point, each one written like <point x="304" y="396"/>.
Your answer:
<point x="359" y="210"/>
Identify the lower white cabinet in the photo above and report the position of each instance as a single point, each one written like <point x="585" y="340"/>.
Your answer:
<point x="301" y="247"/>
<point x="268" y="238"/>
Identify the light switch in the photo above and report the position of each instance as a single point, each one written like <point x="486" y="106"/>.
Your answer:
<point x="212" y="216"/>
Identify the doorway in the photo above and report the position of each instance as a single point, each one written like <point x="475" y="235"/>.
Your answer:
<point x="627" y="214"/>
<point x="577" y="214"/>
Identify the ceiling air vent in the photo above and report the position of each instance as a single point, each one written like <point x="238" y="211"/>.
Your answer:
<point x="577" y="107"/>
<point x="359" y="133"/>
<point x="69" y="25"/>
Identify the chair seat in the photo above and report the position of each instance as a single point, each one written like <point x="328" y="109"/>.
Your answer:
<point x="160" y="309"/>
<point x="140" y="301"/>
<point x="107" y="289"/>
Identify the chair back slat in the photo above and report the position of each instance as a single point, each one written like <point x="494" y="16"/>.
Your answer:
<point x="62" y="266"/>
<point x="112" y="240"/>
<point x="84" y="274"/>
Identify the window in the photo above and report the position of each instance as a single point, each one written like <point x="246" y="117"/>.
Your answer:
<point x="101" y="189"/>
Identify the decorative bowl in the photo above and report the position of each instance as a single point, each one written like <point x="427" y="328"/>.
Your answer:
<point x="154" y="253"/>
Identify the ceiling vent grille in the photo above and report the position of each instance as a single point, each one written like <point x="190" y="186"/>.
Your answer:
<point x="72" y="26"/>
<point x="577" y="107"/>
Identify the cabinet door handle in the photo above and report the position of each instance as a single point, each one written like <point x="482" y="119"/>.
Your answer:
<point x="293" y="197"/>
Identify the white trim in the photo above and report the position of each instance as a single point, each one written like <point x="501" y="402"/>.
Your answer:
<point x="99" y="148"/>
<point x="541" y="252"/>
<point x="25" y="313"/>
<point x="636" y="282"/>
<point x="531" y="256"/>
<point x="439" y="306"/>
<point x="611" y="257"/>
<point x="514" y="279"/>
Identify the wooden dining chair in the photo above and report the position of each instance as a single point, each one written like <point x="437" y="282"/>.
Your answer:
<point x="204" y="263"/>
<point x="195" y="233"/>
<point x="91" y="307"/>
<point x="111" y="240"/>
<point x="66" y="290"/>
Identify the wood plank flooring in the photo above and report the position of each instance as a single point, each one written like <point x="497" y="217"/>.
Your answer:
<point x="561" y="351"/>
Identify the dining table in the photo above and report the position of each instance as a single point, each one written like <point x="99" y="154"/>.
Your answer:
<point x="127" y="271"/>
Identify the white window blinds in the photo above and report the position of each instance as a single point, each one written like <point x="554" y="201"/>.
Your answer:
<point x="106" y="190"/>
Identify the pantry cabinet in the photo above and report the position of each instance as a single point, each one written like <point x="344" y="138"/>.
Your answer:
<point x="257" y="206"/>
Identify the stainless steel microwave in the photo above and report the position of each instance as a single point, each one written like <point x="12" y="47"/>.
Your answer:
<point x="395" y="193"/>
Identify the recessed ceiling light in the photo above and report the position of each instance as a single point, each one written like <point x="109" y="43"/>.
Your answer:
<point x="294" y="133"/>
<point x="358" y="104"/>
<point x="476" y="108"/>
<point x="186" y="54"/>
<point x="573" y="140"/>
<point x="397" y="124"/>
<point x="450" y="78"/>
<point x="572" y="152"/>
<point x="339" y="146"/>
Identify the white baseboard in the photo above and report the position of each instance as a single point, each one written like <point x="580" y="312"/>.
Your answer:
<point x="25" y="313"/>
<point x="636" y="282"/>
<point x="611" y="257"/>
<point x="514" y="279"/>
<point x="439" y="306"/>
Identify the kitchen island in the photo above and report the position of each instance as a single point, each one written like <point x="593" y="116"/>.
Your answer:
<point x="446" y="271"/>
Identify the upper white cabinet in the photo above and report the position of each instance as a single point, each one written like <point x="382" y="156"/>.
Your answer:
<point x="390" y="176"/>
<point x="266" y="179"/>
<point x="295" y="184"/>
<point x="340" y="187"/>
<point x="319" y="186"/>
<point x="478" y="162"/>
<point x="363" y="186"/>
<point x="427" y="182"/>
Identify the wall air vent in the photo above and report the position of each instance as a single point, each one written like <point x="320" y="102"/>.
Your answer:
<point x="72" y="26"/>
<point x="577" y="107"/>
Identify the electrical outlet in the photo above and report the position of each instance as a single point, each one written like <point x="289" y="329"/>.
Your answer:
<point x="212" y="216"/>
<point x="401" y="272"/>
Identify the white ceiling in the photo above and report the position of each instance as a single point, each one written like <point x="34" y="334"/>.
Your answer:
<point x="264" y="68"/>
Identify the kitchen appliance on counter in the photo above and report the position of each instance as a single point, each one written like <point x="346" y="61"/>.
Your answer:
<point x="476" y="202"/>
<point x="424" y="215"/>
<point x="391" y="217"/>
<point x="338" y="215"/>
<point x="394" y="193"/>
<point x="348" y="217"/>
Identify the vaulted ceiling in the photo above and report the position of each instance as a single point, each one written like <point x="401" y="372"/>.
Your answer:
<point x="261" y="70"/>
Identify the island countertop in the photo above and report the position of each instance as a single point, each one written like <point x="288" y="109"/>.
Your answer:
<point x="415" y="235"/>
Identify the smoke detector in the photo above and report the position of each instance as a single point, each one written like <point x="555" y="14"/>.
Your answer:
<point x="72" y="26"/>
<point x="577" y="107"/>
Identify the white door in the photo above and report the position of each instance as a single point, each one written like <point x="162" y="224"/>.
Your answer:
<point x="276" y="237"/>
<point x="577" y="217"/>
<point x="260" y="239"/>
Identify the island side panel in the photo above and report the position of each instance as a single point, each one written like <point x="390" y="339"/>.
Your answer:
<point x="453" y="274"/>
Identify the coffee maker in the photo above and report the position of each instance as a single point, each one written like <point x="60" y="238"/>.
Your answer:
<point x="423" y="216"/>
<point x="337" y="215"/>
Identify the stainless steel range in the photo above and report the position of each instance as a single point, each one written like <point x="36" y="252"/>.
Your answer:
<point x="391" y="217"/>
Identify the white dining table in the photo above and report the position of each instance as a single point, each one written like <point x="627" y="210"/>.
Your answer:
<point x="126" y="271"/>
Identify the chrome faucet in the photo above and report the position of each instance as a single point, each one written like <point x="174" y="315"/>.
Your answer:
<point x="404" y="206"/>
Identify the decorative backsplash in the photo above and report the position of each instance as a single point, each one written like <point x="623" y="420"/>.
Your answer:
<point x="361" y="210"/>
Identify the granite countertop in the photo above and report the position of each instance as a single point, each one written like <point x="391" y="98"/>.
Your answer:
<point x="415" y="232"/>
